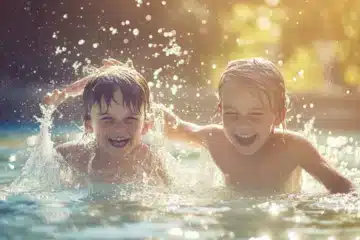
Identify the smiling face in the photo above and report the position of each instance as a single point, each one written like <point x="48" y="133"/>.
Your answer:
<point x="118" y="128"/>
<point x="247" y="116"/>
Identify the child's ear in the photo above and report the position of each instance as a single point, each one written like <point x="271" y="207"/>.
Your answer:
<point x="88" y="126"/>
<point x="147" y="126"/>
<point x="281" y="117"/>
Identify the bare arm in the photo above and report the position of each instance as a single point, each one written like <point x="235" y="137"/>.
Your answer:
<point x="57" y="96"/>
<point x="75" y="89"/>
<point x="180" y="130"/>
<point x="315" y="164"/>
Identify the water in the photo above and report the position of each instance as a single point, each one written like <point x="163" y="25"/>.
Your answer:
<point x="189" y="210"/>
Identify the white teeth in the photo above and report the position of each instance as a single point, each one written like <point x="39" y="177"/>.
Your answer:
<point x="245" y="136"/>
<point x="118" y="139"/>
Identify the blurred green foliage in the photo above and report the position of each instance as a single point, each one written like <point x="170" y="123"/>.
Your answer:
<point x="306" y="38"/>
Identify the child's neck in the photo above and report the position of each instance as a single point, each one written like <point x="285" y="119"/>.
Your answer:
<point x="104" y="161"/>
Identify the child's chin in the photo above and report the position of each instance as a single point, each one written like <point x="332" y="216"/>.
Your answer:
<point x="119" y="151"/>
<point x="247" y="150"/>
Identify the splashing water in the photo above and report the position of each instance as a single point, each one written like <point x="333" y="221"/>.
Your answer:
<point x="194" y="174"/>
<point x="41" y="170"/>
<point x="45" y="170"/>
<point x="341" y="152"/>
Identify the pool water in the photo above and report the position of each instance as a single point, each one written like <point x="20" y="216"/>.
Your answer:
<point x="188" y="212"/>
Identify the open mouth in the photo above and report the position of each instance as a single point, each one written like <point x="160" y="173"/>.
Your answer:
<point x="245" y="140"/>
<point x="119" y="142"/>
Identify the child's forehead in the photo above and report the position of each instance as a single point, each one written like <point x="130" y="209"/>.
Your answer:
<point x="241" y="88"/>
<point x="245" y="95"/>
<point x="115" y="108"/>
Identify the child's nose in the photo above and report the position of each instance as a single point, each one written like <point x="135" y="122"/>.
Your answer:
<point x="119" y="126"/>
<point x="243" y="120"/>
<point x="243" y="124"/>
<point x="243" y="127"/>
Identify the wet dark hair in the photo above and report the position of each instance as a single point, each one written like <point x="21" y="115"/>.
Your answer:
<point x="133" y="87"/>
<point x="261" y="74"/>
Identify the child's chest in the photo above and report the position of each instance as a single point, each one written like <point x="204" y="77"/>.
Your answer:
<point x="270" y="171"/>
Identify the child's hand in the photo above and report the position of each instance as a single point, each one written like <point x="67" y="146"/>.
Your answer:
<point x="77" y="87"/>
<point x="110" y="62"/>
<point x="55" y="98"/>
<point x="170" y="118"/>
<point x="58" y="96"/>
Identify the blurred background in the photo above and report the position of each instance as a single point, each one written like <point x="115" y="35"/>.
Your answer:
<point x="182" y="48"/>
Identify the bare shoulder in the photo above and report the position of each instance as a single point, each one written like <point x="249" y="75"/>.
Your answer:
<point x="294" y="141"/>
<point x="76" y="154"/>
<point x="70" y="148"/>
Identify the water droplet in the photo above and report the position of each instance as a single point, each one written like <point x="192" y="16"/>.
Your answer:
<point x="148" y="17"/>
<point x="301" y="73"/>
<point x="163" y="3"/>
<point x="12" y="158"/>
<point x="113" y="30"/>
<point x="136" y="32"/>
<point x="173" y="89"/>
<point x="213" y="66"/>
<point x="65" y="16"/>
<point x="272" y="3"/>
<point x="81" y="42"/>
<point x="263" y="23"/>
<point x="95" y="45"/>
<point x="139" y="2"/>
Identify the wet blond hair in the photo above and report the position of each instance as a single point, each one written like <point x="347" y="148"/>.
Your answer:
<point x="261" y="74"/>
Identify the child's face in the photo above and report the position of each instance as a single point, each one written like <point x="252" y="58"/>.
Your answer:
<point x="247" y="116"/>
<point x="117" y="129"/>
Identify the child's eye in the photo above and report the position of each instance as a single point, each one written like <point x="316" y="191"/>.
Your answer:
<point x="231" y="113"/>
<point x="131" y="119"/>
<point x="106" y="119"/>
<point x="256" y="113"/>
